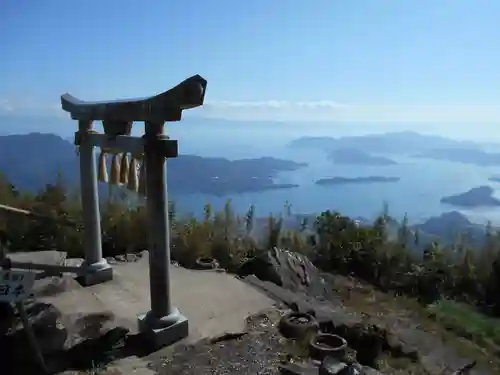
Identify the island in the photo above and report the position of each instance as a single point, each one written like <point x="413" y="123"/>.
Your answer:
<point x="481" y="196"/>
<point x="494" y="179"/>
<point x="50" y="155"/>
<point x="355" y="180"/>
<point x="220" y="176"/>
<point x="468" y="155"/>
<point x="355" y="156"/>
<point x="395" y="143"/>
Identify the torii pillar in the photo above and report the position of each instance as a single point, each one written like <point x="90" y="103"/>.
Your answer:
<point x="164" y="323"/>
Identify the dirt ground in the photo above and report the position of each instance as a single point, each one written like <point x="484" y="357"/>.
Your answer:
<point x="262" y="349"/>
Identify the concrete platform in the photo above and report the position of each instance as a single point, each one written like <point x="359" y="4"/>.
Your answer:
<point x="214" y="303"/>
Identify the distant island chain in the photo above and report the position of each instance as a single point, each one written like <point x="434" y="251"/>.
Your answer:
<point x="355" y="180"/>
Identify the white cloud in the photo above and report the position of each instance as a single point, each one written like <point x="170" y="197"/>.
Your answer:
<point x="272" y="110"/>
<point x="327" y="110"/>
<point x="273" y="104"/>
<point x="30" y="108"/>
<point x="5" y="106"/>
<point x="310" y="111"/>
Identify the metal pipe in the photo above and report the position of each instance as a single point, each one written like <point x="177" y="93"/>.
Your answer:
<point x="9" y="210"/>
<point x="49" y="268"/>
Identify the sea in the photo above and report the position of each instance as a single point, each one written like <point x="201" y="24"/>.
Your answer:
<point x="417" y="194"/>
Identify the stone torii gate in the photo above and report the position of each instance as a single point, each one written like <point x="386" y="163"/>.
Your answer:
<point x="165" y="322"/>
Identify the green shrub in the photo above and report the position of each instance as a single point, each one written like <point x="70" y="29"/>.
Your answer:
<point x="336" y="244"/>
<point x="466" y="321"/>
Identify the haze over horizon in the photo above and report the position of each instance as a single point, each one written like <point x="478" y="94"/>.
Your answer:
<point x="371" y="65"/>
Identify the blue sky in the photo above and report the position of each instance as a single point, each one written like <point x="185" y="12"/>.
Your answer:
<point x="337" y="60"/>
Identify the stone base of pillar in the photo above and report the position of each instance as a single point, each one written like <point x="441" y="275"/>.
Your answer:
<point x="164" y="331"/>
<point x="96" y="273"/>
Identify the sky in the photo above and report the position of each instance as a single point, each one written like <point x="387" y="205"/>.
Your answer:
<point x="374" y="61"/>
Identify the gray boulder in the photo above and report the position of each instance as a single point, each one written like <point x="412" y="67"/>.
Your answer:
<point x="289" y="270"/>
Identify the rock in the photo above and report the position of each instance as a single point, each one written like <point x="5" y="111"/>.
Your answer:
<point x="369" y="335"/>
<point x="370" y="371"/>
<point x="267" y="371"/>
<point x="131" y="257"/>
<point x="367" y="339"/>
<point x="403" y="343"/>
<point x="98" y="350"/>
<point x="89" y="326"/>
<point x="50" y="335"/>
<point x="51" y="286"/>
<point x="329" y="366"/>
<point x="120" y="258"/>
<point x="7" y="317"/>
<point x="111" y="260"/>
<point x="298" y="369"/>
<point x="286" y="269"/>
<point x="227" y="337"/>
<point x="74" y="262"/>
<point x="332" y="366"/>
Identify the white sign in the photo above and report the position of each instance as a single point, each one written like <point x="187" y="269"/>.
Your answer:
<point x="15" y="286"/>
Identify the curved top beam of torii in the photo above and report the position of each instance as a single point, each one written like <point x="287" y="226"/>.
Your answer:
<point x="167" y="106"/>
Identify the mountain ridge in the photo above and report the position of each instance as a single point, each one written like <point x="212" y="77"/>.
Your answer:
<point x="33" y="160"/>
<point x="402" y="142"/>
<point x="29" y="165"/>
